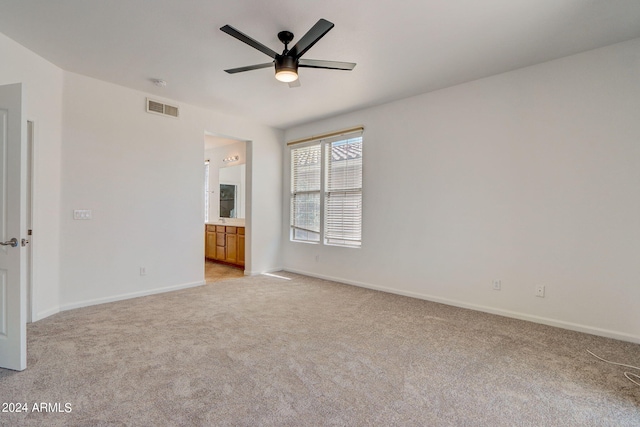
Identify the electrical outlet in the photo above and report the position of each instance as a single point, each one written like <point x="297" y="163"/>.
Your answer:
<point x="540" y="291"/>
<point x="143" y="271"/>
<point x="497" y="285"/>
<point x="83" y="214"/>
<point x="317" y="258"/>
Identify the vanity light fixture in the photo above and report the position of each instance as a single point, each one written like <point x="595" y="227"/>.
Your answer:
<point x="231" y="159"/>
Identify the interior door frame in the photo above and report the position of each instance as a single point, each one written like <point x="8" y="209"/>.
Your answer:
<point x="30" y="138"/>
<point x="248" y="195"/>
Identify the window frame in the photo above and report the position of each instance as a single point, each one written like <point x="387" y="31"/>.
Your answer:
<point x="325" y="161"/>
<point x="343" y="192"/>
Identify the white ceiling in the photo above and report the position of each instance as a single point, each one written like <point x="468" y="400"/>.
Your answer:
<point x="402" y="48"/>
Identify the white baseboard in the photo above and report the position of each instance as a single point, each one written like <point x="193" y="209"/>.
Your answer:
<point x="86" y="303"/>
<point x="46" y="313"/>
<point x="506" y="313"/>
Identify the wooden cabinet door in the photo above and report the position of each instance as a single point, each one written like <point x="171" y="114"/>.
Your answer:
<point x="220" y="244"/>
<point x="232" y="248"/>
<point x="241" y="249"/>
<point x="210" y="245"/>
<point x="220" y="255"/>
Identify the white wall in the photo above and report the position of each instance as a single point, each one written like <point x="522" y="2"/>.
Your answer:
<point x="42" y="83"/>
<point x="530" y="177"/>
<point x="141" y="175"/>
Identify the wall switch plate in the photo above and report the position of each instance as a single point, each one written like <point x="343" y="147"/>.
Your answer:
<point x="497" y="285"/>
<point x="82" y="214"/>
<point x="540" y="291"/>
<point x="143" y="271"/>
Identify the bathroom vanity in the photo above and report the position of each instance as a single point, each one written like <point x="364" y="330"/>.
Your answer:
<point x="225" y="243"/>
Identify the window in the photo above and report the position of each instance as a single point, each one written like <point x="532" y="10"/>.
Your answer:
<point x="343" y="192"/>
<point x="326" y="182"/>
<point x="305" y="193"/>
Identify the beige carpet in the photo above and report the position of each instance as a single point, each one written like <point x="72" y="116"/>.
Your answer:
<point x="263" y="351"/>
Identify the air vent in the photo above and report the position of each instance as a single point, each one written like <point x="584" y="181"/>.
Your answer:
<point x="170" y="110"/>
<point x="157" y="107"/>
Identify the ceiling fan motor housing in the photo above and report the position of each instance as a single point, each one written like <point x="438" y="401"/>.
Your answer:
<point x="286" y="63"/>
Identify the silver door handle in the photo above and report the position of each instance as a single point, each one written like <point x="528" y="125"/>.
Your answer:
<point x="13" y="243"/>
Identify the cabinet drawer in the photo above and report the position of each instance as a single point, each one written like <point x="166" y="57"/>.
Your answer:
<point x="241" y="230"/>
<point x="220" y="228"/>
<point x="231" y="230"/>
<point x="211" y="227"/>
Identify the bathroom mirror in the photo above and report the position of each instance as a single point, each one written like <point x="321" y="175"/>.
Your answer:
<point x="232" y="191"/>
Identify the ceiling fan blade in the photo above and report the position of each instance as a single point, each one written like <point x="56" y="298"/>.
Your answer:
<point x="295" y="83"/>
<point x="331" y="65"/>
<point x="249" y="68"/>
<point x="248" y="40"/>
<point x="316" y="32"/>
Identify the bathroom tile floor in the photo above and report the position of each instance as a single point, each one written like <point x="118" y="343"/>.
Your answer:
<point x="214" y="272"/>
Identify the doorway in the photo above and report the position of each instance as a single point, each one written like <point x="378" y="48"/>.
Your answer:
<point x="227" y="212"/>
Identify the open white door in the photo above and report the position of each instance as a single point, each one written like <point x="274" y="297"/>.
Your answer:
<point x="13" y="301"/>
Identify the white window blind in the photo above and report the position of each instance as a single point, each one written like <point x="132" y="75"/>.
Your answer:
<point x="305" y="193"/>
<point x="326" y="182"/>
<point x="343" y="192"/>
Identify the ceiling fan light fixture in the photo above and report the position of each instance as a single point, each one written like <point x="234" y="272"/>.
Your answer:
<point x="286" y="69"/>
<point x="286" y="76"/>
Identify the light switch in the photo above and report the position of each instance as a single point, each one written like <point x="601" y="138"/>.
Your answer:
<point x="82" y="214"/>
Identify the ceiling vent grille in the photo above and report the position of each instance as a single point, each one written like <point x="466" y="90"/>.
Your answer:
<point x="157" y="107"/>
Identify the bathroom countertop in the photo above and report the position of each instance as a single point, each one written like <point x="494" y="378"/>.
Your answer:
<point x="230" y="223"/>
